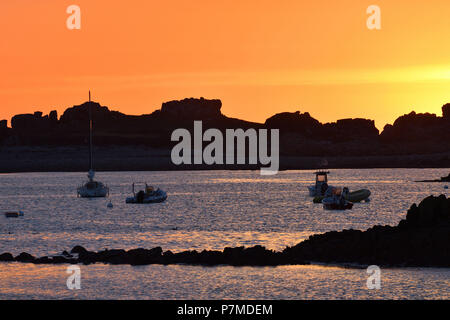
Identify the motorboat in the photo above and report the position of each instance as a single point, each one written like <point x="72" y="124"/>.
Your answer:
<point x="321" y="185"/>
<point x="336" y="204"/>
<point x="148" y="195"/>
<point x="92" y="188"/>
<point x="337" y="201"/>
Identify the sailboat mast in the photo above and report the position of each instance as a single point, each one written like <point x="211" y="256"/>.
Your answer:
<point x="91" y="157"/>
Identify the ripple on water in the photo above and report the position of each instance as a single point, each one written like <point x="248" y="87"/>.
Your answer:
<point x="210" y="210"/>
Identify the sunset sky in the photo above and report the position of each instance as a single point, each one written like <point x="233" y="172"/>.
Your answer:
<point x="259" y="57"/>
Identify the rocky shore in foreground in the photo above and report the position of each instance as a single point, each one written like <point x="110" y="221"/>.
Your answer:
<point x="421" y="240"/>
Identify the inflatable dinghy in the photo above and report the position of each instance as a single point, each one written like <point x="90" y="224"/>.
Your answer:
<point x="357" y="196"/>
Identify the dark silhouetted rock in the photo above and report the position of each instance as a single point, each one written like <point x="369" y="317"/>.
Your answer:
<point x="78" y="249"/>
<point x="143" y="256"/>
<point x="353" y="129"/>
<point x="116" y="128"/>
<point x="295" y="122"/>
<point x="416" y="127"/>
<point x="446" y="111"/>
<point x="300" y="135"/>
<point x="25" y="257"/>
<point x="168" y="257"/>
<point x="112" y="256"/>
<point x="303" y="123"/>
<point x="79" y="114"/>
<point x="423" y="239"/>
<point x="6" y="257"/>
<point x="53" y="116"/>
<point x="194" y="109"/>
<point x="431" y="212"/>
<point x="43" y="260"/>
<point x="4" y="131"/>
<point x="61" y="259"/>
<point x="32" y="123"/>
<point x="66" y="254"/>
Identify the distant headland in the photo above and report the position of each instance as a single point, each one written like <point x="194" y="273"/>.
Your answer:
<point x="37" y="142"/>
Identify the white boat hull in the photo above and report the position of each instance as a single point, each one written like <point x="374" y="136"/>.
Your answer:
<point x="92" y="194"/>
<point x="97" y="192"/>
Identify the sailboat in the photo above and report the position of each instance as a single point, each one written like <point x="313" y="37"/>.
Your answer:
<point x="92" y="188"/>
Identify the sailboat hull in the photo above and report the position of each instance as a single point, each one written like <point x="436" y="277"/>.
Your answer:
<point x="100" y="191"/>
<point x="92" y="188"/>
<point x="90" y="194"/>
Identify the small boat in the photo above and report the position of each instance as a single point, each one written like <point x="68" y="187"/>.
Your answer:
<point x="13" y="214"/>
<point x="334" y="203"/>
<point x="330" y="192"/>
<point x="354" y="197"/>
<point x="358" y="196"/>
<point x="321" y="185"/>
<point x="92" y="188"/>
<point x="148" y="195"/>
<point x="337" y="202"/>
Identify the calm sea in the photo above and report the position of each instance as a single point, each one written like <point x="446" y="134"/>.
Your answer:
<point x="205" y="210"/>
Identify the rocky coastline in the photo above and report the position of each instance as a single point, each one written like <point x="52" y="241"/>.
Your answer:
<point x="48" y="143"/>
<point x="420" y="240"/>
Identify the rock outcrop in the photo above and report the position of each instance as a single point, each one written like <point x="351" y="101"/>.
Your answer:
<point x="297" y="122"/>
<point x="300" y="134"/>
<point x="6" y="257"/>
<point x="446" y="111"/>
<point x="192" y="109"/>
<point x="4" y="131"/>
<point x="34" y="122"/>
<point x="116" y="128"/>
<point x="304" y="124"/>
<point x="418" y="127"/>
<point x="352" y="129"/>
<point x="421" y="240"/>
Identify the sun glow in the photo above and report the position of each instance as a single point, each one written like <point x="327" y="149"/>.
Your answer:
<point x="259" y="57"/>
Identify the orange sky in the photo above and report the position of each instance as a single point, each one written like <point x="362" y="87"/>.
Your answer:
<point x="259" y="57"/>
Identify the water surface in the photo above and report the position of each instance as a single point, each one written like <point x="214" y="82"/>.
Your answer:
<point x="205" y="210"/>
